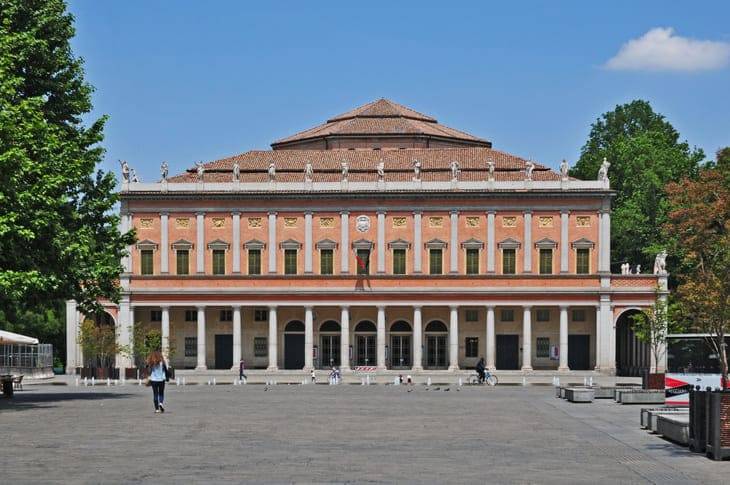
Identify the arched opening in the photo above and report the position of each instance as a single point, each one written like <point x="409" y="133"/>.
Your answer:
<point x="436" y="345"/>
<point x="294" y="345"/>
<point x="329" y="344"/>
<point x="400" y="345"/>
<point x="632" y="356"/>
<point x="365" y="343"/>
<point x="98" y="340"/>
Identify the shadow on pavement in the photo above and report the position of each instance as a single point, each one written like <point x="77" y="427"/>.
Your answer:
<point x="23" y="400"/>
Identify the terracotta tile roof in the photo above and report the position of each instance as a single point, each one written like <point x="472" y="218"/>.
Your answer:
<point x="383" y="108"/>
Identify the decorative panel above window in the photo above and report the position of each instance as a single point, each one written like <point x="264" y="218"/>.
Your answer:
<point x="254" y="244"/>
<point x="290" y="222"/>
<point x="546" y="243"/>
<point x="583" y="221"/>
<point x="582" y="243"/>
<point x="509" y="243"/>
<point x="362" y="244"/>
<point x="326" y="244"/>
<point x="219" y="222"/>
<point x="436" y="221"/>
<point x="545" y="221"/>
<point x="181" y="245"/>
<point x="145" y="223"/>
<point x="509" y="221"/>
<point x="436" y="244"/>
<point x="472" y="244"/>
<point x="218" y="244"/>
<point x="399" y="222"/>
<point x="472" y="221"/>
<point x="147" y="245"/>
<point x="254" y="222"/>
<point x="399" y="244"/>
<point x="326" y="222"/>
<point x="290" y="244"/>
<point x="182" y="223"/>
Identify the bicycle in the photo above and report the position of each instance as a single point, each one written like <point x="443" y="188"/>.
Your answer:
<point x="489" y="379"/>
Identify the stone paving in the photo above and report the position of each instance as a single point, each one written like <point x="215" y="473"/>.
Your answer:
<point x="346" y="433"/>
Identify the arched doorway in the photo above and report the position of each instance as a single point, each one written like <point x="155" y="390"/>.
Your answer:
<point x="436" y="345"/>
<point x="329" y="344"/>
<point x="98" y="340"/>
<point x="294" y="345"/>
<point x="400" y="345"/>
<point x="632" y="356"/>
<point x="365" y="343"/>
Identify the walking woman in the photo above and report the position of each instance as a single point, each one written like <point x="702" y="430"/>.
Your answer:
<point x="158" y="376"/>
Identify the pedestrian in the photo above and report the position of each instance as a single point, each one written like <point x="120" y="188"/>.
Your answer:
<point x="158" y="377"/>
<point x="314" y="377"/>
<point x="241" y="369"/>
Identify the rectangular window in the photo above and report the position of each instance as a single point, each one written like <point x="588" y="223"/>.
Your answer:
<point x="363" y="261"/>
<point x="472" y="261"/>
<point x="182" y="257"/>
<point x="471" y="346"/>
<point x="507" y="315"/>
<point x="219" y="261"/>
<point x="579" y="315"/>
<point x="260" y="347"/>
<point x="261" y="314"/>
<point x="542" y="347"/>
<point x="191" y="315"/>
<point x="254" y="261"/>
<point x="156" y="315"/>
<point x="326" y="261"/>
<point x="582" y="261"/>
<point x="191" y="346"/>
<point x="542" y="315"/>
<point x="435" y="260"/>
<point x="290" y="261"/>
<point x="226" y="316"/>
<point x="546" y="261"/>
<point x="399" y="261"/>
<point x="146" y="261"/>
<point x="472" y="315"/>
<point x="509" y="261"/>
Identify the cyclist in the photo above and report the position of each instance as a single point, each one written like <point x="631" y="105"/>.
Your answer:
<point x="480" y="368"/>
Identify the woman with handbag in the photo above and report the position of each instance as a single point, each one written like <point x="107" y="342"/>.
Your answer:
<point x="158" y="377"/>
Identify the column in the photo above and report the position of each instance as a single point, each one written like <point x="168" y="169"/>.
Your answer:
<point x="528" y="243"/>
<point x="564" y="241"/>
<point x="598" y="338"/>
<point x="308" y="338"/>
<point x="201" y="339"/>
<point x="417" y="245"/>
<point x="344" y="242"/>
<point x="381" y="242"/>
<point x="608" y="335"/>
<point x="454" y="254"/>
<point x="605" y="242"/>
<point x="236" y="336"/>
<point x="491" y="339"/>
<point x="417" y="339"/>
<point x="200" y="243"/>
<point x="164" y="244"/>
<point x="381" y="338"/>
<point x="563" y="366"/>
<point x="490" y="242"/>
<point x="165" y="331"/>
<point x="72" y="331"/>
<point x="454" y="338"/>
<point x="660" y="365"/>
<point x="273" y="359"/>
<point x="345" y="338"/>
<point x="308" y="242"/>
<point x="236" y="246"/>
<point x="527" y="338"/>
<point x="126" y="320"/>
<point x="272" y="243"/>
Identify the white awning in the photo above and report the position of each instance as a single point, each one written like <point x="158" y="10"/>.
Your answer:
<point x="15" y="338"/>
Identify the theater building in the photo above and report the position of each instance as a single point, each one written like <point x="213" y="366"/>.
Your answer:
<point x="382" y="239"/>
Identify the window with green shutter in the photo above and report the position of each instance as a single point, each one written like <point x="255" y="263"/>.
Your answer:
<point x="219" y="261"/>
<point x="582" y="261"/>
<point x="290" y="261"/>
<point x="509" y="261"/>
<point x="435" y="261"/>
<point x="254" y="261"/>
<point x="472" y="261"/>
<point x="399" y="261"/>
<point x="147" y="266"/>
<point x="183" y="261"/>
<point x="546" y="261"/>
<point x="542" y="347"/>
<point x="326" y="258"/>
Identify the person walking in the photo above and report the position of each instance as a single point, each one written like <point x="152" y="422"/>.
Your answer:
<point x="158" y="377"/>
<point x="241" y="369"/>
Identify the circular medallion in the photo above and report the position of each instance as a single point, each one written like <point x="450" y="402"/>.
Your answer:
<point x="362" y="223"/>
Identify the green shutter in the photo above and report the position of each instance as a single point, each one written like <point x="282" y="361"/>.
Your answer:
<point x="399" y="261"/>
<point x="325" y="261"/>
<point x="435" y="261"/>
<point x="183" y="261"/>
<point x="546" y="261"/>
<point x="290" y="261"/>
<point x="472" y="261"/>
<point x="254" y="261"/>
<point x="582" y="261"/>
<point x="219" y="261"/>
<point x="508" y="261"/>
<point x="147" y="266"/>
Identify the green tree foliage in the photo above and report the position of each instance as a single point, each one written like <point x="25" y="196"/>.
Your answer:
<point x="645" y="154"/>
<point x="652" y="325"/>
<point x="98" y="343"/>
<point x="59" y="236"/>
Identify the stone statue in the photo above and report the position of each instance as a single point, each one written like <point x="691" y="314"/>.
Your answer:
<point x="417" y="170"/>
<point x="625" y="268"/>
<point x="308" y="172"/>
<point x="660" y="263"/>
<point x="125" y="170"/>
<point x="381" y="171"/>
<point x="133" y="176"/>
<point x="454" y="171"/>
<point x="236" y="172"/>
<point x="345" y="170"/>
<point x="164" y="170"/>
<point x="603" y="171"/>
<point x="529" y="167"/>
<point x="272" y="172"/>
<point x="200" y="170"/>
<point x="490" y="168"/>
<point x="638" y="269"/>
<point x="564" y="169"/>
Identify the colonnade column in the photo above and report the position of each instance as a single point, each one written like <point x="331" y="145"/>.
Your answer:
<point x="454" y="338"/>
<point x="417" y="339"/>
<point x="272" y="243"/>
<point x="308" y="338"/>
<point x="236" y="336"/>
<point x="200" y="242"/>
<point x="344" y="242"/>
<point x="417" y="249"/>
<point x="308" y="242"/>
<point x="491" y="339"/>
<point x="563" y="366"/>
<point x="345" y="338"/>
<point x="605" y="242"/>
<point x="164" y="245"/>
<point x="527" y="338"/>
<point x="201" y="339"/>
<point x="273" y="359"/>
<point x="564" y="217"/>
<point x="236" y="243"/>
<point x="165" y="331"/>
<point x="381" y="242"/>
<point x="124" y="338"/>
<point x="598" y="338"/>
<point x="454" y="254"/>
<point x="381" y="338"/>
<point x="528" y="243"/>
<point x="72" y="331"/>
<point x="490" y="242"/>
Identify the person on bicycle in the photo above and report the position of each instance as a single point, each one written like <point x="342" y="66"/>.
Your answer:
<point x="480" y="368"/>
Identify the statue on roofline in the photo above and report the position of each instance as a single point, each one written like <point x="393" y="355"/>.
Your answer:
<point x="564" y="169"/>
<point x="200" y="169"/>
<point x="125" y="170"/>
<point x="236" y="171"/>
<point x="529" y="168"/>
<point x="345" y="169"/>
<point x="417" y="170"/>
<point x="455" y="171"/>
<point x="603" y="171"/>
<point x="272" y="172"/>
<point x="660" y="263"/>
<point x="381" y="171"/>
<point x="164" y="170"/>
<point x="490" y="169"/>
<point x="133" y="176"/>
<point x="308" y="172"/>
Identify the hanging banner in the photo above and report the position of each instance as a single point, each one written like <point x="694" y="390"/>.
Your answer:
<point x="677" y="386"/>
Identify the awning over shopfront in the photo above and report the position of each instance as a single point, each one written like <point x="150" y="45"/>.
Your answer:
<point x="15" y="338"/>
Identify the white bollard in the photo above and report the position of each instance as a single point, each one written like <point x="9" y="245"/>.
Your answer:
<point x="557" y="379"/>
<point x="139" y="382"/>
<point x="177" y="381"/>
<point x="93" y="381"/>
<point x="428" y="381"/>
<point x="362" y="381"/>
<point x="214" y="381"/>
<point x="77" y="382"/>
<point x="367" y="380"/>
<point x="116" y="382"/>
<point x="524" y="381"/>
<point x="460" y="382"/>
<point x="585" y="381"/>
<point x="183" y="381"/>
<point x="396" y="381"/>
<point x="590" y="381"/>
<point x="108" y="382"/>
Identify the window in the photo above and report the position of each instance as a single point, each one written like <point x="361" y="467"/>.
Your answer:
<point x="399" y="261"/>
<point x="546" y="261"/>
<point x="183" y="261"/>
<point x="471" y="345"/>
<point x="260" y="314"/>
<point x="435" y="259"/>
<point x="326" y="258"/>
<point x="472" y="261"/>
<point x="472" y="315"/>
<point x="226" y="316"/>
<point x="146" y="261"/>
<point x="254" y="261"/>
<point x="156" y="315"/>
<point x="260" y="347"/>
<point x="363" y="261"/>
<point x="219" y="261"/>
<point x="542" y="347"/>
<point x="542" y="314"/>
<point x="191" y="346"/>
<point x="290" y="261"/>
<point x="508" y="261"/>
<point x="582" y="261"/>
<point x="579" y="315"/>
<point x="191" y="315"/>
<point x="508" y="315"/>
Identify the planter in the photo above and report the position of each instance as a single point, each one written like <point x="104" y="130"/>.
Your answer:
<point x="653" y="381"/>
<point x="674" y="427"/>
<point x="98" y="372"/>
<point x="59" y="371"/>
<point x="697" y="420"/>
<point x="718" y="425"/>
<point x="641" y="396"/>
<point x="579" y="394"/>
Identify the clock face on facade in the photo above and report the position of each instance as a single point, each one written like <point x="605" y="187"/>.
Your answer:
<point x="362" y="223"/>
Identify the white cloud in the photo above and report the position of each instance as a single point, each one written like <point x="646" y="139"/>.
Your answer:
<point x="661" y="50"/>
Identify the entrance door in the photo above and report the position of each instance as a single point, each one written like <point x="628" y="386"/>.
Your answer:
<point x="436" y="351"/>
<point x="293" y="351"/>
<point x="366" y="350"/>
<point x="579" y="352"/>
<point x="508" y="352"/>
<point x="330" y="351"/>
<point x="400" y="349"/>
<point x="223" y="351"/>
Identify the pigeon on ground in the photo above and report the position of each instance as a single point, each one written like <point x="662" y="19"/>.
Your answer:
<point x="447" y="389"/>
<point x="436" y="388"/>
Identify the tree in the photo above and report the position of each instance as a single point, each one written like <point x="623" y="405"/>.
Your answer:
<point x="645" y="154"/>
<point x="98" y="343"/>
<point x="652" y="325"/>
<point x="59" y="237"/>
<point x="698" y="227"/>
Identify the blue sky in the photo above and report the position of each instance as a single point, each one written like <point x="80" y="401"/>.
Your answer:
<point x="192" y="80"/>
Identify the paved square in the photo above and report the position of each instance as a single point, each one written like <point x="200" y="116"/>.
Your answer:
<point x="333" y="433"/>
